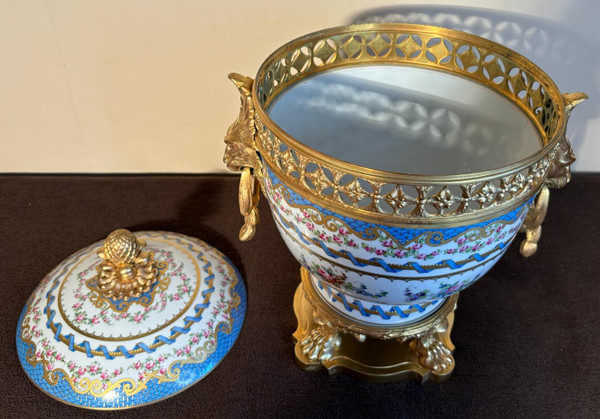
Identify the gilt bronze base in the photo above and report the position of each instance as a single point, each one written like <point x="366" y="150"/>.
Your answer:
<point x="327" y="339"/>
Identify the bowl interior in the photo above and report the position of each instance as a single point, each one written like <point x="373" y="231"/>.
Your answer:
<point x="405" y="119"/>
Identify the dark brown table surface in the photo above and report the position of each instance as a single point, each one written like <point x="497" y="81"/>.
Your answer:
<point x="527" y="336"/>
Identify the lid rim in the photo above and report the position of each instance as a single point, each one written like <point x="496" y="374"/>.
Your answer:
<point x="58" y="382"/>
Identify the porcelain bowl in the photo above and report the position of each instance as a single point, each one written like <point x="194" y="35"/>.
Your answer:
<point x="384" y="245"/>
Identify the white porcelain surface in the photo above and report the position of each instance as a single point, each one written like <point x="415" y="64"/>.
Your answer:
<point x="405" y="119"/>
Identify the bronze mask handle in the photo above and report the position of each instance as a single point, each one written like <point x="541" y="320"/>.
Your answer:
<point x="559" y="174"/>
<point x="241" y="155"/>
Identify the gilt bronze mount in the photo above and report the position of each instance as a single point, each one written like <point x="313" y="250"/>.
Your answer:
<point x="324" y="339"/>
<point x="385" y="252"/>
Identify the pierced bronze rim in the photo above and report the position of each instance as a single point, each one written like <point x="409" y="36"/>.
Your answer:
<point x="347" y="46"/>
<point x="539" y="74"/>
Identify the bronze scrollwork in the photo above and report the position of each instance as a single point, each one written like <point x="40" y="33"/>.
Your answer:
<point x="532" y="226"/>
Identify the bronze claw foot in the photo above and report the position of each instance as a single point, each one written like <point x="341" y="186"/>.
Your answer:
<point x="321" y="343"/>
<point x="433" y="353"/>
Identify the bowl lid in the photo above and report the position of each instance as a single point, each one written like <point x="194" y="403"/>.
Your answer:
<point x="131" y="320"/>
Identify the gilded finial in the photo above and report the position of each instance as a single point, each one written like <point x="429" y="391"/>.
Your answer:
<point x="125" y="272"/>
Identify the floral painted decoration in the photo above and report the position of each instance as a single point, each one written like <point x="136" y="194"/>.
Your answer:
<point x="95" y="355"/>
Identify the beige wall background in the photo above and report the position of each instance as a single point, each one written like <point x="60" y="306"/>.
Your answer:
<point x="140" y="86"/>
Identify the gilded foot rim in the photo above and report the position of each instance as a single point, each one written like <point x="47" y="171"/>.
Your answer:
<point x="321" y="343"/>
